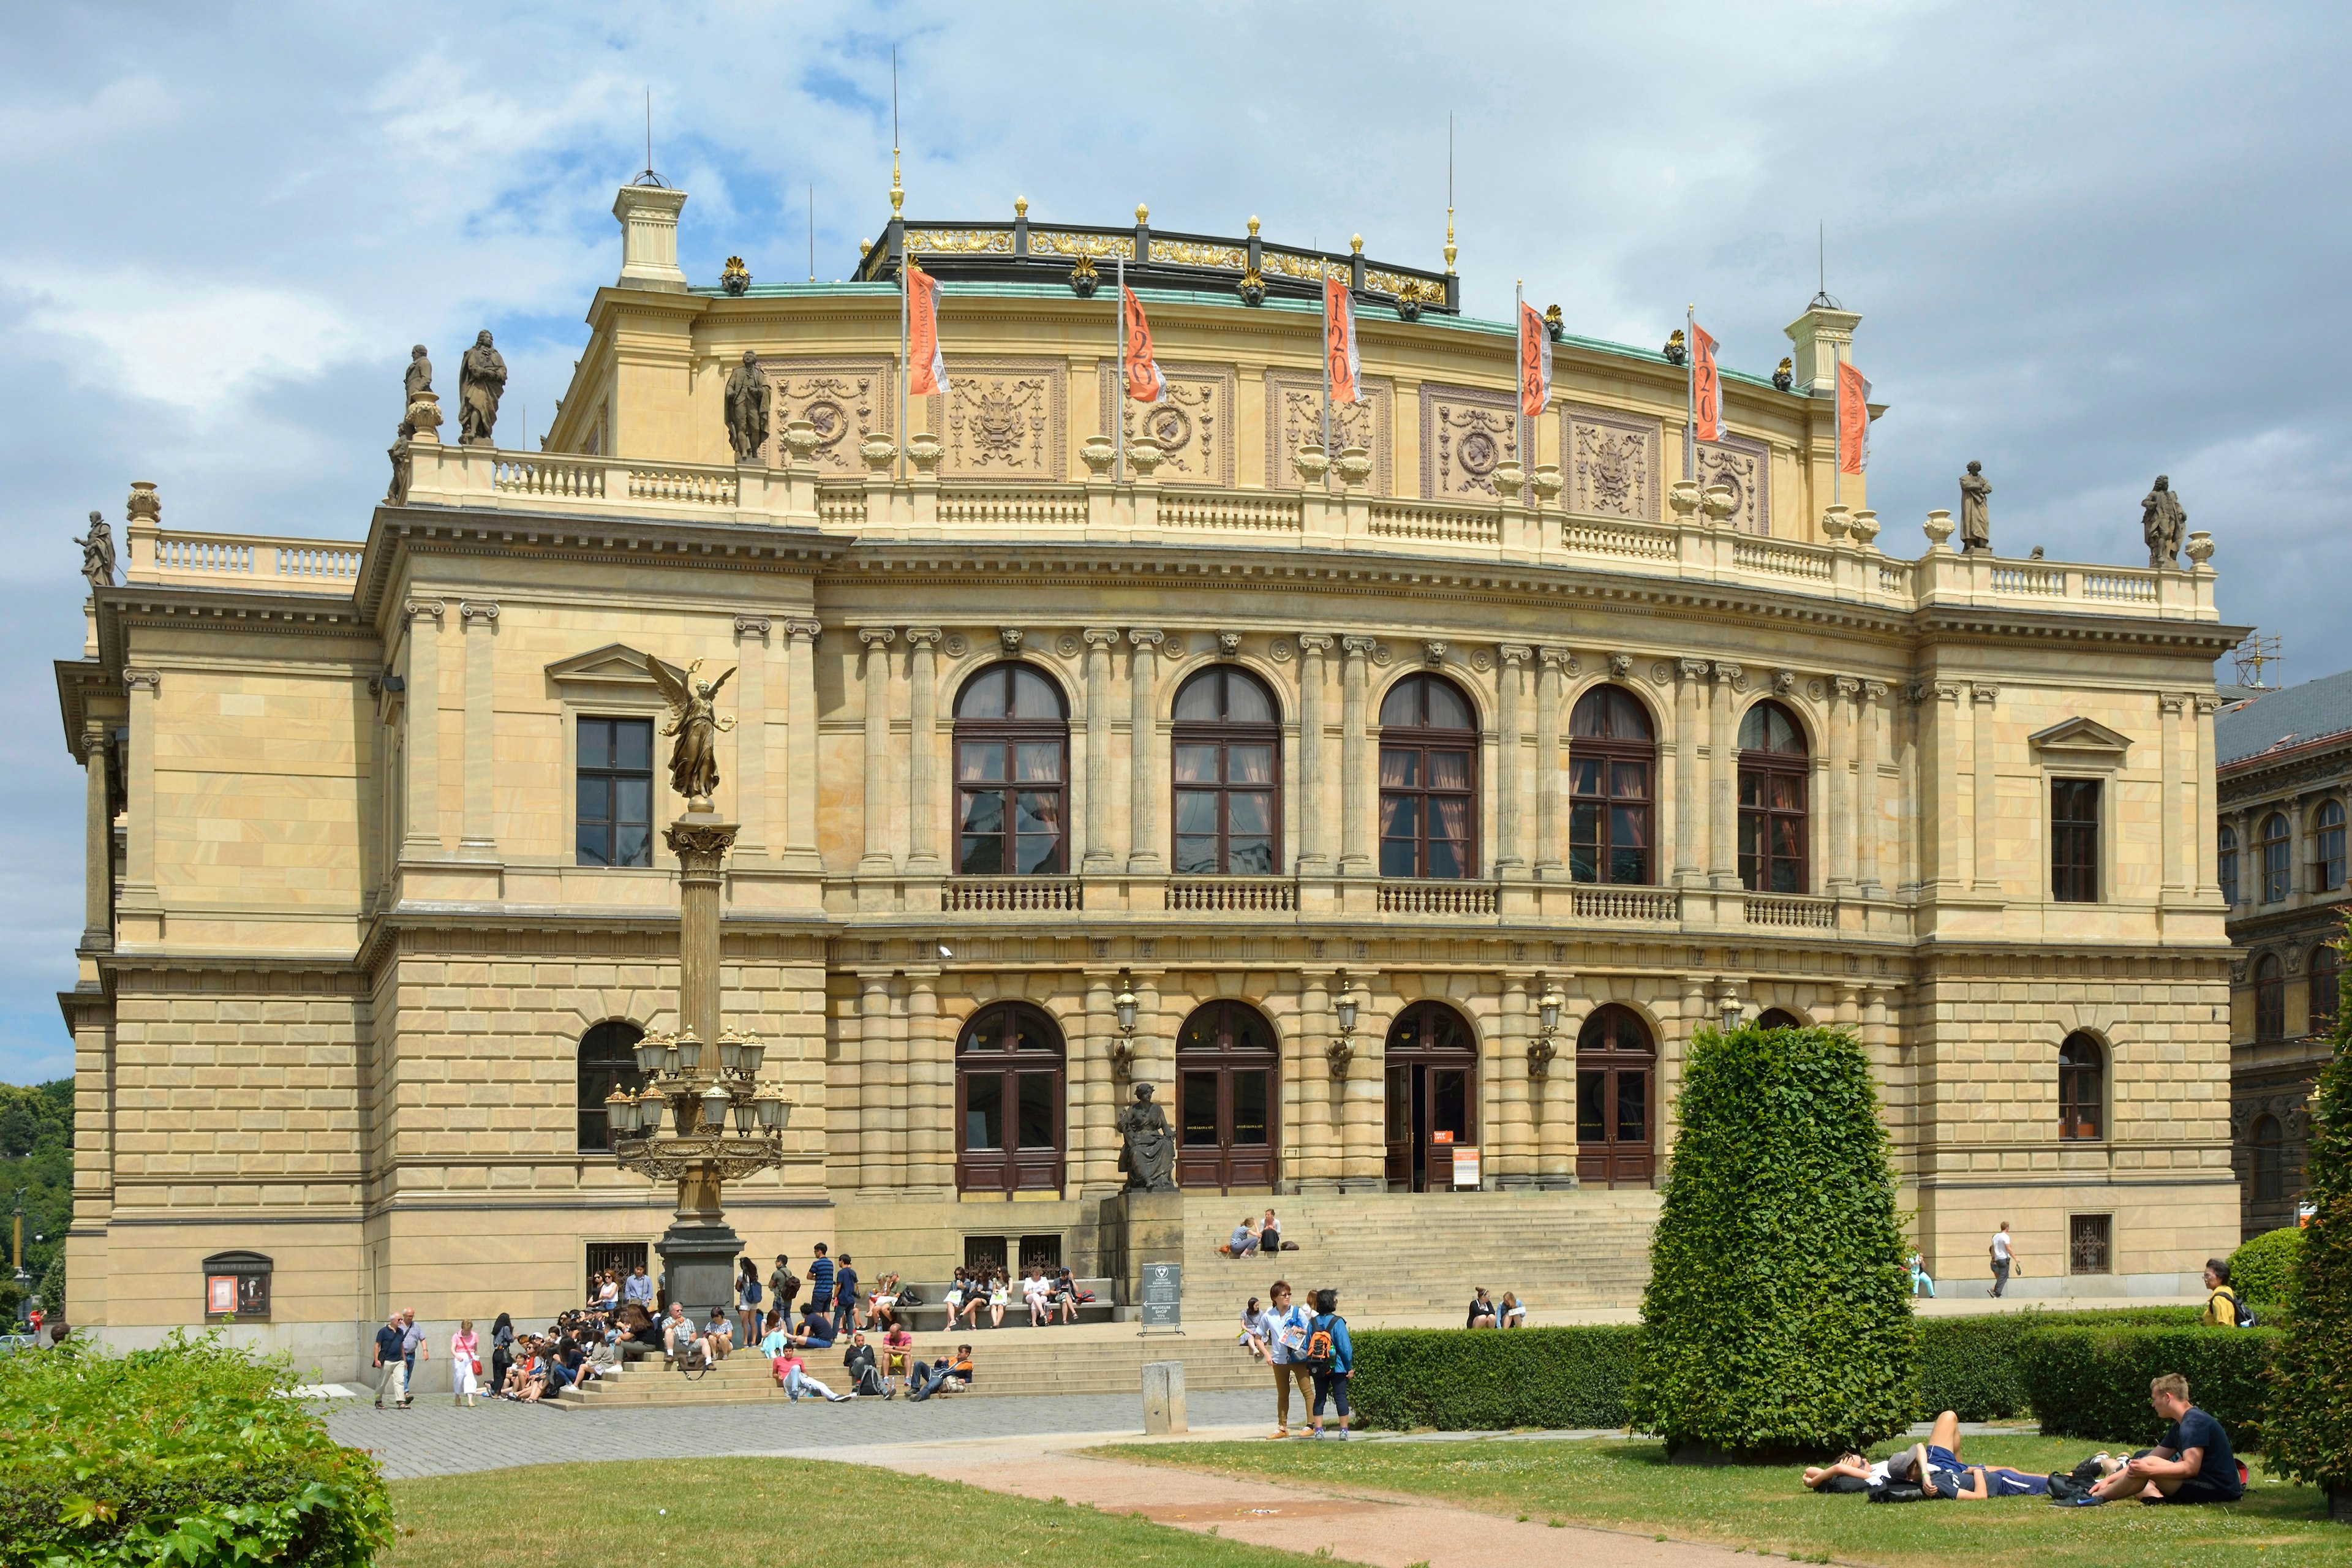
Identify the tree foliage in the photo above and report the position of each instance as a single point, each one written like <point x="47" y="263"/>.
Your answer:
<point x="2309" y="1423"/>
<point x="37" y="1154"/>
<point x="1777" y="1310"/>
<point x="2263" y="1271"/>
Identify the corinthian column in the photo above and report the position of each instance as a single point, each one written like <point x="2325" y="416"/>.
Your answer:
<point x="1987" y="821"/>
<point x="422" y="839"/>
<point x="922" y="746"/>
<point x="873" y="680"/>
<point x="2169" y="706"/>
<point x="751" y="736"/>
<point x="1723" y="783"/>
<point x="1869" y="831"/>
<point x="98" y="841"/>
<point x="478" y="837"/>
<point x="1508" y="746"/>
<point x="1551" y="679"/>
<point x="1354" y="810"/>
<point x="1314" y="815"/>
<point x="1690" y="715"/>
<point x="1146" y="820"/>
<point x="800" y="746"/>
<point x="1844" y="689"/>
<point x="1100" y="855"/>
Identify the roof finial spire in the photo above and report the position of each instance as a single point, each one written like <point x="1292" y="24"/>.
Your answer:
<point x="1450" y="249"/>
<point x="897" y="191"/>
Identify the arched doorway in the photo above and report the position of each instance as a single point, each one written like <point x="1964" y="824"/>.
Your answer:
<point x="1778" y="1018"/>
<point x="1226" y="1083"/>
<point x="1432" y="1094"/>
<point x="1010" y="1084"/>
<point x="1616" y="1064"/>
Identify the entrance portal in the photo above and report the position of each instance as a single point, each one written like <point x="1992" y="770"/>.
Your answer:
<point x="1431" y="1091"/>
<point x="1616" y="1064"/>
<point x="1225" y="1098"/>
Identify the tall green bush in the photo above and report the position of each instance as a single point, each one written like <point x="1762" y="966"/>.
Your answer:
<point x="188" y="1454"/>
<point x="2311" y="1393"/>
<point x="2093" y="1382"/>
<point x="2263" y="1271"/>
<point x="1777" y="1312"/>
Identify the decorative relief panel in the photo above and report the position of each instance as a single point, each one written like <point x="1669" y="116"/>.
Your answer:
<point x="1293" y="417"/>
<point x="1612" y="463"/>
<point x="1003" y="420"/>
<point x="846" y="400"/>
<point x="1059" y="242"/>
<point x="1192" y="422"/>
<point x="1464" y="434"/>
<point x="960" y="241"/>
<point x="1745" y="465"/>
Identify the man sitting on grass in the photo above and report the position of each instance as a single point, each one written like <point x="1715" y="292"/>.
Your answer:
<point x="2192" y="1464"/>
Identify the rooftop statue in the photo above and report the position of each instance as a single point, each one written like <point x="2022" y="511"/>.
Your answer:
<point x="417" y="385"/>
<point x="1147" y="1145"/>
<point x="2163" y="522"/>
<point x="747" y="397"/>
<point x="481" y="381"/>
<point x="694" y="719"/>
<point x="1976" y="523"/>
<point x="98" y="553"/>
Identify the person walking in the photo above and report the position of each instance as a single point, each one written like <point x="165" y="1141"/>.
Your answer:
<point x="412" y="1350"/>
<point x="1332" y="1357"/>
<point x="465" y="1370"/>
<point x="390" y="1368"/>
<point x="2004" y="1257"/>
<point x="1282" y="1329"/>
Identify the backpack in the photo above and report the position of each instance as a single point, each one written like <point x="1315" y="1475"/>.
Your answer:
<point x="2242" y="1314"/>
<point x="751" y="1291"/>
<point x="1318" y="1345"/>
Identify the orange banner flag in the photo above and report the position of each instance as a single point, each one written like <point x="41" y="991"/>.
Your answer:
<point x="1853" y="420"/>
<point x="1341" y="367"/>
<point x="1144" y="382"/>
<point x="1535" y="362"/>
<point x="927" y="369"/>
<point x="1706" y="387"/>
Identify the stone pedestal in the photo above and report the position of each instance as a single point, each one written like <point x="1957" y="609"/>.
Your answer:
<point x="1163" y="1398"/>
<point x="699" y="1249"/>
<point x="697" y="1254"/>
<point x="1139" y="1228"/>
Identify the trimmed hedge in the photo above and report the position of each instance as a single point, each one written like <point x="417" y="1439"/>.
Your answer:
<point x="1778" y="1308"/>
<point x="1472" y="1380"/>
<point x="189" y="1454"/>
<point x="1460" y="1380"/>
<point x="2263" y="1271"/>
<point x="2093" y="1382"/>
<point x="2311" y="1389"/>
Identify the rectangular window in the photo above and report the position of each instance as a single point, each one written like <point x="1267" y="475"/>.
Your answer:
<point x="2090" y="1243"/>
<point x="2075" y="840"/>
<point x="984" y="1111"/>
<point x="616" y="787"/>
<point x="2225" y="869"/>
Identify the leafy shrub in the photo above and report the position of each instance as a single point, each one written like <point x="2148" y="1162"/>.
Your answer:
<point x="188" y="1453"/>
<point x="1460" y="1380"/>
<point x="1971" y="1365"/>
<point x="2263" y="1271"/>
<point x="2093" y="1382"/>
<point x="1778" y="1308"/>
<point x="2310" y="1413"/>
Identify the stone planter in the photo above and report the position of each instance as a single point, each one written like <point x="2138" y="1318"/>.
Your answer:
<point x="1937" y="528"/>
<point x="1098" y="454"/>
<point x="1355" y="467"/>
<point x="800" y="440"/>
<point x="923" y="451"/>
<point x="880" y="452"/>
<point x="1145" y="456"/>
<point x="1312" y="463"/>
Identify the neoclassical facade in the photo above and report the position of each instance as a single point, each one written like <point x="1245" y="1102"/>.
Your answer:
<point x="2286" y="783"/>
<point x="1424" y="796"/>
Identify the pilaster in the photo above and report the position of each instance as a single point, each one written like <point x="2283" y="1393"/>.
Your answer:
<point x="1869" y="826"/>
<point x="1355" y="807"/>
<point x="1723" y="782"/>
<point x="1552" y="665"/>
<point x="1314" y="833"/>
<point x="421" y="839"/>
<point x="923" y="807"/>
<point x="1985" y="873"/>
<point x="1844" y="691"/>
<point x="873" y="682"/>
<point x="751" y="805"/>
<point x="800" y="748"/>
<point x="478" y="832"/>
<point x="1147" y="817"/>
<point x="1511" y="744"/>
<point x="1101" y="857"/>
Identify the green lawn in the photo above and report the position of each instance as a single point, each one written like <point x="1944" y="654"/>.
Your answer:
<point x="723" y="1513"/>
<point x="1629" y="1485"/>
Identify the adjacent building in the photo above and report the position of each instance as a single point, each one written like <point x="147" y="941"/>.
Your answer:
<point x="1416" y="797"/>
<point x="2285" y="765"/>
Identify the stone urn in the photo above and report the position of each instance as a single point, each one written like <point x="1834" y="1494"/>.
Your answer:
<point x="1097" y="453"/>
<point x="880" y="452"/>
<point x="1355" y="467"/>
<point x="1719" y="503"/>
<point x="1835" y="522"/>
<point x="800" y="440"/>
<point x="1547" y="484"/>
<point x="1937" y="528"/>
<point x="1145" y="455"/>
<point x="1510" y="480"/>
<point x="421" y="419"/>
<point x="923" y="451"/>
<point x="1682" y="496"/>
<point x="1312" y="463"/>
<point x="1865" y="528"/>
<point x="2201" y="551"/>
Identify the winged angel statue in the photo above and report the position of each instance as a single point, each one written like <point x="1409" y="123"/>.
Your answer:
<point x="693" y="719"/>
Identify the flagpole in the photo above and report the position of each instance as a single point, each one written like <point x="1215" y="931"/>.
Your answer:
<point x="1326" y="361"/>
<point x="1519" y="371"/>
<point x="1690" y="392"/>
<point x="1837" y="432"/>
<point x="1118" y="398"/>
<point x="897" y="197"/>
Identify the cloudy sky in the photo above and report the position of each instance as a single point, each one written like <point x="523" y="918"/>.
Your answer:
<point x="2089" y="243"/>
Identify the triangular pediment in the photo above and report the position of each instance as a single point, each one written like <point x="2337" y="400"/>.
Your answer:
<point x="614" y="664"/>
<point x="2085" y="738"/>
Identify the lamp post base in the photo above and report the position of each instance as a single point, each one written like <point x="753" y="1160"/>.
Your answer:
<point x="697" y="1256"/>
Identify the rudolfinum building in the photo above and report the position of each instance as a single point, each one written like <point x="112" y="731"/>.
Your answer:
<point x="1396" y="809"/>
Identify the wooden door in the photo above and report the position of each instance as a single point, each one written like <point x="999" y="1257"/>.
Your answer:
<point x="1227" y="1093"/>
<point x="1430" y="1086"/>
<point x="1616" y="1100"/>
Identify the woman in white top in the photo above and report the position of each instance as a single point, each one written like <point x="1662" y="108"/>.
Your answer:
<point x="1033" y="1290"/>
<point x="999" y="1297"/>
<point x="608" y="1292"/>
<point x="463" y="1348"/>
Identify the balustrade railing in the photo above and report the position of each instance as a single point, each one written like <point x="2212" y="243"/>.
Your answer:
<point x="687" y="486"/>
<point x="1223" y="511"/>
<point x="1442" y="524"/>
<point x="1401" y="898"/>
<point x="1025" y="507"/>
<point x="1626" y="904"/>
<point x="561" y="478"/>
<point x="2124" y="586"/>
<point x="1239" y="895"/>
<point x="1594" y="536"/>
<point x="1011" y="895"/>
<point x="1781" y="557"/>
<point x="1812" y="914"/>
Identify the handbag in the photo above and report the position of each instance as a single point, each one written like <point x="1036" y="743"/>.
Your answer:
<point x="477" y="1366"/>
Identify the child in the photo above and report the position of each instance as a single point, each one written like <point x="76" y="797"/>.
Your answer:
<point x="1331" y="1357"/>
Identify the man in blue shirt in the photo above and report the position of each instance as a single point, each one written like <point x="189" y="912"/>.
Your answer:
<point x="844" y="1295"/>
<point x="2192" y="1464"/>
<point x="391" y="1368"/>
<point x="639" y="1288"/>
<point x="820" y="1282"/>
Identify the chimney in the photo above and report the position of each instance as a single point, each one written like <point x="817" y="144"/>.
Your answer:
<point x="1823" y="336"/>
<point x="648" y="217"/>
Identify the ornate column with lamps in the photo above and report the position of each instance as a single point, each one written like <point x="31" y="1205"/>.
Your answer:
<point x="723" y="1122"/>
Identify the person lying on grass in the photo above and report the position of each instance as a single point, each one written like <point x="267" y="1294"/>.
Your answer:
<point x="1849" y="1472"/>
<point x="2192" y="1463"/>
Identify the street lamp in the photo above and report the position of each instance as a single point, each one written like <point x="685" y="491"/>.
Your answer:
<point x="1545" y="1045"/>
<point x="1341" y="1051"/>
<point x="1122" y="1049"/>
<point x="1730" y="1008"/>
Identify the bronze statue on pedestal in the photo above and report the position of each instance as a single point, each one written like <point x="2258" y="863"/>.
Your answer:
<point x="1147" y="1145"/>
<point x="693" y="719"/>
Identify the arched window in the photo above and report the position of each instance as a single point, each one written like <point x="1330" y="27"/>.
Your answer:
<point x="606" y="1065"/>
<point x="1615" y="1061"/>
<point x="2082" y="1087"/>
<point x="1010" y="1079"/>
<point x="1429" y="748"/>
<point x="1612" y="758"/>
<point x="1773" y="769"/>
<point x="1431" y="1084"/>
<point x="1778" y="1018"/>
<point x="1013" y="749"/>
<point x="2270" y="998"/>
<point x="2278" y="872"/>
<point x="1227" y="747"/>
<point x="1226" y="1095"/>
<point x="2225" y="863"/>
<point x="2327" y="846"/>
<point x="2324" y="964"/>
<point x="2269" y="1141"/>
